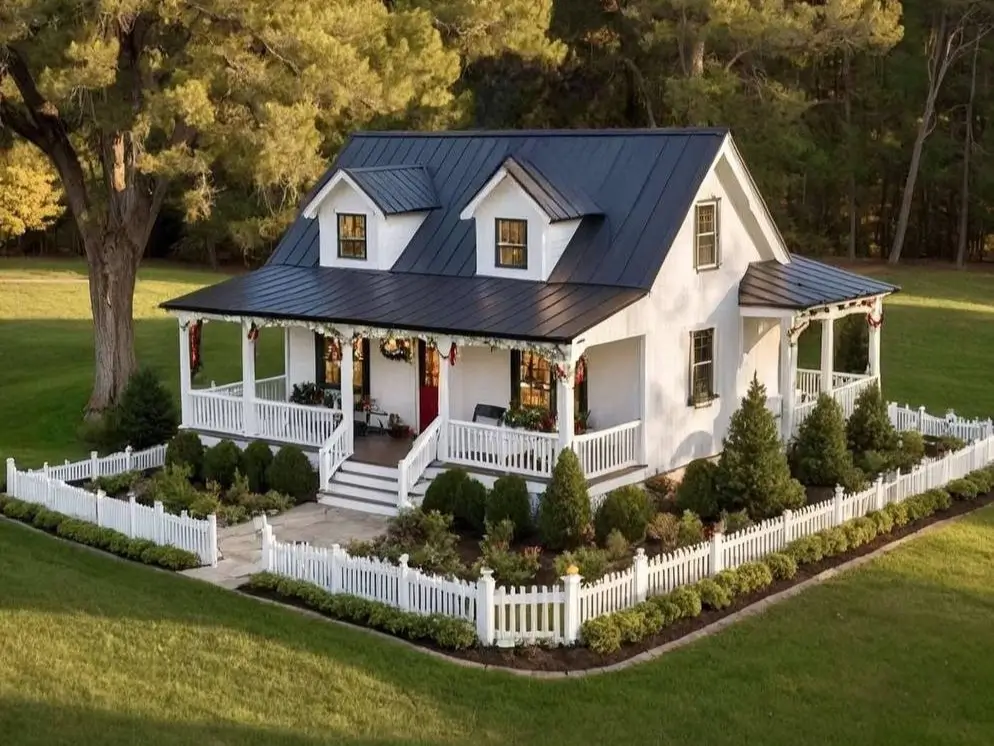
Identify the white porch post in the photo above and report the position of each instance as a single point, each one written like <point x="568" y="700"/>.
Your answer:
<point x="788" y="378"/>
<point x="565" y="410"/>
<point x="347" y="365"/>
<point x="248" y="380"/>
<point x="874" y="356"/>
<point x="443" y="346"/>
<point x="827" y="353"/>
<point x="643" y="392"/>
<point x="185" y="383"/>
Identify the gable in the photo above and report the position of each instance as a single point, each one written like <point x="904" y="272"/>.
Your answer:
<point x="642" y="181"/>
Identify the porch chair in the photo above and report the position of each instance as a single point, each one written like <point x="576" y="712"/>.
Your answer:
<point x="488" y="412"/>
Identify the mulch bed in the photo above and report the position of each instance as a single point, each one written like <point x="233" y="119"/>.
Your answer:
<point x="564" y="659"/>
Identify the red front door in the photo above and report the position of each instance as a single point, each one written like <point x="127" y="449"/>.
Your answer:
<point x="428" y="362"/>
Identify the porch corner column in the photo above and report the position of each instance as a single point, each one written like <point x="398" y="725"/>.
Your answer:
<point x="643" y="386"/>
<point x="185" y="382"/>
<point x="874" y="351"/>
<point x="565" y="410"/>
<point x="346" y="367"/>
<point x="827" y="354"/>
<point x="444" y="406"/>
<point x="788" y="379"/>
<point x="248" y="380"/>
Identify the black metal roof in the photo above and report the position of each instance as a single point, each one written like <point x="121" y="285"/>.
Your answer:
<point x="485" y="306"/>
<point x="397" y="189"/>
<point x="805" y="283"/>
<point x="642" y="182"/>
<point x="558" y="201"/>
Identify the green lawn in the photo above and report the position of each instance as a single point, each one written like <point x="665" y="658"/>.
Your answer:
<point x="96" y="651"/>
<point x="938" y="345"/>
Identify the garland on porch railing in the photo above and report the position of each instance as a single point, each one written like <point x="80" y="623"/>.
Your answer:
<point x="195" y="359"/>
<point x="875" y="323"/>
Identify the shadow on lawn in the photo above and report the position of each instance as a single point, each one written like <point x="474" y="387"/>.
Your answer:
<point x="26" y="722"/>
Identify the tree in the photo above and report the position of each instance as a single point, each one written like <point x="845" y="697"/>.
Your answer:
<point x="753" y="473"/>
<point x="819" y="455"/>
<point x="968" y="144"/>
<point x="132" y="102"/>
<point x="29" y="192"/>
<point x="564" y="510"/>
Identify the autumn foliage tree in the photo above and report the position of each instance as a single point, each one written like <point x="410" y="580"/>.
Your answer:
<point x="134" y="101"/>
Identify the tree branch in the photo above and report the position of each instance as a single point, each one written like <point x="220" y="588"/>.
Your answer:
<point x="237" y="25"/>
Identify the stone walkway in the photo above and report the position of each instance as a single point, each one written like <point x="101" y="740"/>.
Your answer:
<point x="320" y="525"/>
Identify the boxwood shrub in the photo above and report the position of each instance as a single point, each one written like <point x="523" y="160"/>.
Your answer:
<point x="82" y="532"/>
<point x="443" y="631"/>
<point x="782" y="566"/>
<point x="963" y="489"/>
<point x="713" y="595"/>
<point x="754" y="576"/>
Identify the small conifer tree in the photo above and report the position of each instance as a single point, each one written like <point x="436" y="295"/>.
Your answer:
<point x="820" y="456"/>
<point x="753" y="473"/>
<point x="564" y="511"/>
<point x="869" y="427"/>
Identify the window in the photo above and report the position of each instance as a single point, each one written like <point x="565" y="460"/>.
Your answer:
<point x="512" y="243"/>
<point x="330" y="367"/>
<point x="351" y="236"/>
<point x="706" y="235"/>
<point x="702" y="367"/>
<point x="533" y="385"/>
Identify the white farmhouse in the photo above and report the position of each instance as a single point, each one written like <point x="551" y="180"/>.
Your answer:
<point x="621" y="287"/>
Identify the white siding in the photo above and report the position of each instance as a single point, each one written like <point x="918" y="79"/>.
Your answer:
<point x="479" y="377"/>
<point x="393" y="384"/>
<point x="546" y="242"/>
<point x="683" y="300"/>
<point x="612" y="383"/>
<point x="760" y="353"/>
<point x="301" y="358"/>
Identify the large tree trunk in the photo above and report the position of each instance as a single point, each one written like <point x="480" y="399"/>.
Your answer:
<point x="964" y="207"/>
<point x="113" y="265"/>
<point x="908" y="195"/>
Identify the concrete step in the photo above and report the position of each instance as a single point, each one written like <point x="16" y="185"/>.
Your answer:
<point x="362" y="479"/>
<point x="374" y="470"/>
<point x="358" y="503"/>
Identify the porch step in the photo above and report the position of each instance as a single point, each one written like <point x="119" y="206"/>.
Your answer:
<point x="351" y="466"/>
<point x="358" y="503"/>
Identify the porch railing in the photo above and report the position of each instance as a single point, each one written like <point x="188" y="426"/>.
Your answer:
<point x="603" y="451"/>
<point x="335" y="451"/>
<point x="845" y="394"/>
<point x="269" y="389"/>
<point x="423" y="452"/>
<point x="503" y="448"/>
<point x="809" y="382"/>
<point x="295" y="423"/>
<point x="216" y="412"/>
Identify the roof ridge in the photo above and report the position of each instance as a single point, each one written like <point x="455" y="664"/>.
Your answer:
<point x="619" y="132"/>
<point x="387" y="167"/>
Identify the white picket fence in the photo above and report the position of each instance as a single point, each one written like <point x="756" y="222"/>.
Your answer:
<point x="130" y="518"/>
<point x="906" y="418"/>
<point x="554" y="615"/>
<point x="116" y="463"/>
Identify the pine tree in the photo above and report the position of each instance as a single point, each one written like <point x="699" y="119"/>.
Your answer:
<point x="820" y="456"/>
<point x="869" y="427"/>
<point x="564" y="511"/>
<point x="753" y="473"/>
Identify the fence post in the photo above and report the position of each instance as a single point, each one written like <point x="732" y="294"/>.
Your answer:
<point x="99" y="503"/>
<point x="129" y="461"/>
<point x="94" y="465"/>
<point x="131" y="514"/>
<point x="837" y="516"/>
<point x="641" y="568"/>
<point x="159" y="512"/>
<point x="878" y="495"/>
<point x="403" y="589"/>
<point x="717" y="558"/>
<point x="336" y="564"/>
<point x="48" y="488"/>
<point x="11" y="476"/>
<point x="788" y="525"/>
<point x="266" y="561"/>
<point x="921" y="420"/>
<point x="212" y="549"/>
<point x="571" y="606"/>
<point x="485" y="607"/>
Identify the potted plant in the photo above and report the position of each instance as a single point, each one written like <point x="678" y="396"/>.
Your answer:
<point x="582" y="423"/>
<point x="397" y="428"/>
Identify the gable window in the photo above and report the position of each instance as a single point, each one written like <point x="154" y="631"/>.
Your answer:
<point x="512" y="243"/>
<point x="702" y="367"/>
<point x="706" y="235"/>
<point x="351" y="236"/>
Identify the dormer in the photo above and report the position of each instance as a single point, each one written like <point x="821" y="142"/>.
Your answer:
<point x="525" y="218"/>
<point x="367" y="216"/>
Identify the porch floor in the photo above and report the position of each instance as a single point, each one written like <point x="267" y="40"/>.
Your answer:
<point x="380" y="449"/>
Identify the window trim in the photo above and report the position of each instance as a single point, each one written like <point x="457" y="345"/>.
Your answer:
<point x="692" y="399"/>
<point x="365" y="235"/>
<point x="498" y="245"/>
<point x="714" y="202"/>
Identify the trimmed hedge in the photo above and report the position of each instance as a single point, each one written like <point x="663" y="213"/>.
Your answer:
<point x="626" y="509"/>
<point x="782" y="566"/>
<point x="107" y="539"/>
<point x="443" y="631"/>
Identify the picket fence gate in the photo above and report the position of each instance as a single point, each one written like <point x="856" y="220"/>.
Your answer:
<point x="129" y="517"/>
<point x="507" y="616"/>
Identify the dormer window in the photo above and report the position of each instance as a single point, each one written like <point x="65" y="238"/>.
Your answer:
<point x="512" y="243"/>
<point x="351" y="236"/>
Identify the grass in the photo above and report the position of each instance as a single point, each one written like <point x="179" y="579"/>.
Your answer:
<point x="97" y="651"/>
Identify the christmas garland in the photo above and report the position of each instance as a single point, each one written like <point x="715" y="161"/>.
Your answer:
<point x="397" y="349"/>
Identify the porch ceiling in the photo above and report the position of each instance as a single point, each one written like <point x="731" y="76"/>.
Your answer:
<point x="805" y="283"/>
<point x="472" y="306"/>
